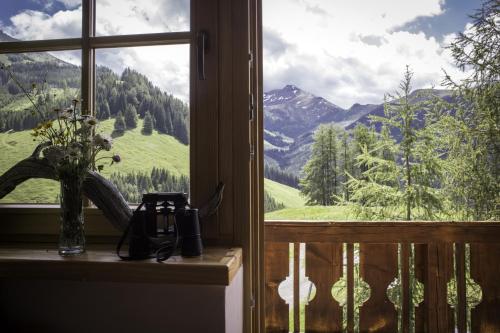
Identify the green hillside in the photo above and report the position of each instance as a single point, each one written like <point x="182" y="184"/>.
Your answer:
<point x="287" y="195"/>
<point x="295" y="208"/>
<point x="324" y="213"/>
<point x="139" y="153"/>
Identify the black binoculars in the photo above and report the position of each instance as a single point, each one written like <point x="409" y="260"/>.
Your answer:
<point x="166" y="224"/>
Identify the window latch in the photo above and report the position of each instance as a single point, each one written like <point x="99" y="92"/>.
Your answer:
<point x="201" y="49"/>
<point x="251" y="107"/>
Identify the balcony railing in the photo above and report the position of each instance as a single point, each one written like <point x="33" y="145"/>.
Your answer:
<point x="382" y="276"/>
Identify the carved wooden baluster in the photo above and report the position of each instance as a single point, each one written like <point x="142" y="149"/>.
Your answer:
<point x="276" y="270"/>
<point x="378" y="267"/>
<point x="296" y="287"/>
<point x="350" y="287"/>
<point x="324" y="268"/>
<point x="406" y="288"/>
<point x="485" y="268"/>
<point x="439" y="314"/>
<point x="420" y="268"/>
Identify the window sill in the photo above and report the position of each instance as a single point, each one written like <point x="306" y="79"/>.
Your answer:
<point x="217" y="266"/>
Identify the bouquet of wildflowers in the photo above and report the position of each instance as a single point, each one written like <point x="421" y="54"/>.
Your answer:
<point x="68" y="135"/>
<point x="72" y="145"/>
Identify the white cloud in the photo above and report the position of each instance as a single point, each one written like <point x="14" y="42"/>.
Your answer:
<point x="146" y="16"/>
<point x="70" y="3"/>
<point x="351" y="53"/>
<point x="35" y="25"/>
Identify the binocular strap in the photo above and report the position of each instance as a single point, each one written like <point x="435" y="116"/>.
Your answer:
<point x="164" y="248"/>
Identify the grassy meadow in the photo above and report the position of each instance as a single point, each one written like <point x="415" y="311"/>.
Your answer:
<point x="139" y="153"/>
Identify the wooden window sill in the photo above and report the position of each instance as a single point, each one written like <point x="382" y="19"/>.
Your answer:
<point x="217" y="266"/>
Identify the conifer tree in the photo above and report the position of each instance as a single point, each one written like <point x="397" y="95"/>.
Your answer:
<point x="400" y="178"/>
<point x="320" y="182"/>
<point x="119" y="124"/>
<point x="103" y="110"/>
<point x="130" y="116"/>
<point x="363" y="140"/>
<point x="470" y="133"/>
<point x="147" y="128"/>
<point x="347" y="163"/>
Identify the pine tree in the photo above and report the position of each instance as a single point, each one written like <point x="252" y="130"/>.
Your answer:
<point x="400" y="179"/>
<point x="320" y="182"/>
<point x="470" y="133"/>
<point x="364" y="139"/>
<point x="119" y="124"/>
<point x="103" y="111"/>
<point x="347" y="164"/>
<point x="130" y="116"/>
<point x="147" y="128"/>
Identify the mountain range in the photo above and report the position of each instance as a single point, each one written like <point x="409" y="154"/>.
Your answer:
<point x="291" y="115"/>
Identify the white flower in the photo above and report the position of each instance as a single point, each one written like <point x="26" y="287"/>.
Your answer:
<point x="102" y="141"/>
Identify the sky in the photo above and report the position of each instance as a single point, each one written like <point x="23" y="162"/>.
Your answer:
<point x="355" y="51"/>
<point x="347" y="51"/>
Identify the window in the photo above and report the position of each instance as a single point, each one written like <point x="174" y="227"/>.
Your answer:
<point x="191" y="63"/>
<point x="140" y="94"/>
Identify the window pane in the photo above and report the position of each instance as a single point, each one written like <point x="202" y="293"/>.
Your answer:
<point x="37" y="20"/>
<point x="61" y="71"/>
<point x="123" y="17"/>
<point x="142" y="97"/>
<point x="327" y="67"/>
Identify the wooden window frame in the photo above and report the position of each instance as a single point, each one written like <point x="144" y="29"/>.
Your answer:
<point x="226" y="126"/>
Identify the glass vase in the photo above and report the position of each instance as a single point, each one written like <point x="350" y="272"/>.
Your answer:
<point x="71" y="234"/>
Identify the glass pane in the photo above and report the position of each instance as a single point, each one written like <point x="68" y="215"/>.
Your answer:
<point x="327" y="67"/>
<point x="142" y="97"/>
<point x="61" y="71"/>
<point x="37" y="20"/>
<point x="123" y="17"/>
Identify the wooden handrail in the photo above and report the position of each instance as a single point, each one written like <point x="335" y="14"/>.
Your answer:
<point x="382" y="232"/>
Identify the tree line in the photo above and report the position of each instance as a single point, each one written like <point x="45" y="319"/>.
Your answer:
<point x="271" y="204"/>
<point x="280" y="176"/>
<point x="133" y="185"/>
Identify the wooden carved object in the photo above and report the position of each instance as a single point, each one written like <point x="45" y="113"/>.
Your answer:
<point x="98" y="189"/>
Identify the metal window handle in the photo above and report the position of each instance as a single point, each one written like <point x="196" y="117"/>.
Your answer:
<point x="202" y="48"/>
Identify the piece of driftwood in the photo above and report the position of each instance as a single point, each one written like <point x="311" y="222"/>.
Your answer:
<point x="98" y="189"/>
